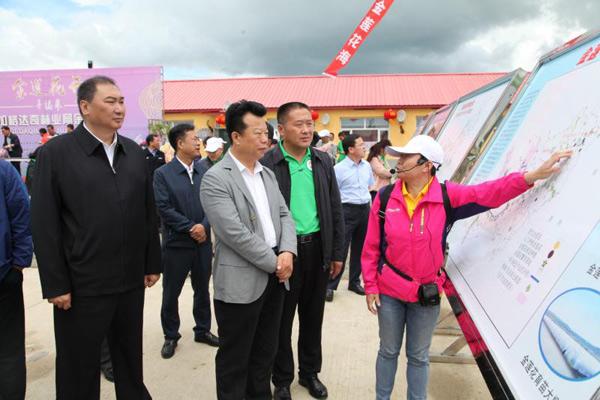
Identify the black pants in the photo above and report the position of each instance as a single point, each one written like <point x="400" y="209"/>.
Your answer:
<point x="178" y="262"/>
<point x="356" y="219"/>
<point x="248" y="335"/>
<point x="17" y="165"/>
<point x="105" y="362"/>
<point x="12" y="337"/>
<point x="308" y="285"/>
<point x="79" y="332"/>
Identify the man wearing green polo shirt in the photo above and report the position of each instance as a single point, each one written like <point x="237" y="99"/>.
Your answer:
<point x="307" y="181"/>
<point x="340" y="148"/>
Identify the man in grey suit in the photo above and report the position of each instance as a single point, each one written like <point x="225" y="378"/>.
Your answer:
<point x="255" y="243"/>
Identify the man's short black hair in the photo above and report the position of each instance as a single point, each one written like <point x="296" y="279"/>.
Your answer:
<point x="349" y="141"/>
<point x="342" y="133"/>
<point x="285" y="109"/>
<point x="151" y="137"/>
<point x="43" y="130"/>
<point x="234" y="116"/>
<point x="50" y="126"/>
<point x="88" y="88"/>
<point x="177" y="133"/>
<point x="70" y="126"/>
<point x="271" y="133"/>
<point x="5" y="127"/>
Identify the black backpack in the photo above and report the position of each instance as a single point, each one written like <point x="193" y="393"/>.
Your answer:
<point x="384" y="197"/>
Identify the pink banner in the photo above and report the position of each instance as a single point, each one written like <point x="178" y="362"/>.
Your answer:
<point x="377" y="11"/>
<point x="30" y="100"/>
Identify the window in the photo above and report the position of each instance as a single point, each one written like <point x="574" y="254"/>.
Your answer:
<point x="372" y="130"/>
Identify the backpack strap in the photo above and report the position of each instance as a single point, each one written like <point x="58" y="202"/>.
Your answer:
<point x="384" y="197"/>
<point x="448" y="209"/>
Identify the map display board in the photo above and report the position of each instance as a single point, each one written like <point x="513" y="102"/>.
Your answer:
<point x="437" y="120"/>
<point x="529" y="272"/>
<point x="474" y="116"/>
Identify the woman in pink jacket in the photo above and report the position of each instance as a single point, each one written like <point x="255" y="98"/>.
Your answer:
<point x="402" y="274"/>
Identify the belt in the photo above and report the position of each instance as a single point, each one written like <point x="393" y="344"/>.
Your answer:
<point x="305" y="239"/>
<point x="356" y="205"/>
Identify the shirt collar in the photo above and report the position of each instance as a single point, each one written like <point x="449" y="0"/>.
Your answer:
<point x="112" y="145"/>
<point x="288" y="156"/>
<point x="421" y="194"/>
<point x="257" y="167"/>
<point x="188" y="168"/>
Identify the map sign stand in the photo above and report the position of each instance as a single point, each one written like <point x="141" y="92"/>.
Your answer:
<point x="524" y="279"/>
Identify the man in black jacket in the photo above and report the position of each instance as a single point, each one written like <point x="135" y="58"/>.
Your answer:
<point x="154" y="156"/>
<point x="307" y="181"/>
<point x="187" y="244"/>
<point x="96" y="240"/>
<point x="12" y="145"/>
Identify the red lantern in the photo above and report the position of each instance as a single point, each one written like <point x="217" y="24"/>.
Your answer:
<point x="390" y="114"/>
<point x="220" y="119"/>
<point x="314" y="115"/>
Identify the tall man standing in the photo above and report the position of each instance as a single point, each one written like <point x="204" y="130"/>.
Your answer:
<point x="96" y="241"/>
<point x="307" y="181"/>
<point x="255" y="245"/>
<point x="12" y="145"/>
<point x="16" y="252"/>
<point x="187" y="244"/>
<point x="154" y="156"/>
<point x="354" y="177"/>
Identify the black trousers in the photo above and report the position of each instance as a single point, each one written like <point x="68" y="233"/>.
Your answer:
<point x="17" y="165"/>
<point x="356" y="219"/>
<point x="12" y="337"/>
<point x="248" y="335"/>
<point x="79" y="332"/>
<point x="308" y="285"/>
<point x="178" y="262"/>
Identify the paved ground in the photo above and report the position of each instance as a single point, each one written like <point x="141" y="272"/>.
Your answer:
<point x="350" y="345"/>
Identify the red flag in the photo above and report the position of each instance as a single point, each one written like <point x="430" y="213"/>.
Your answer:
<point x="368" y="23"/>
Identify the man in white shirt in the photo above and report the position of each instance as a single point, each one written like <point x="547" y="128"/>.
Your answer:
<point x="255" y="243"/>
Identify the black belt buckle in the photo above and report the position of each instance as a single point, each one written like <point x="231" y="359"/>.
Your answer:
<point x="305" y="239"/>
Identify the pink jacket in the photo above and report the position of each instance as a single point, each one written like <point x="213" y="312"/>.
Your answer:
<point x="418" y="252"/>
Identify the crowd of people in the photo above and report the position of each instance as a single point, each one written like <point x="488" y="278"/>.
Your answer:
<point x="271" y="221"/>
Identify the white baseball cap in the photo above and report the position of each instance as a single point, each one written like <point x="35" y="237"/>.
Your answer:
<point x="213" y="144"/>
<point x="422" y="144"/>
<point x="324" y="133"/>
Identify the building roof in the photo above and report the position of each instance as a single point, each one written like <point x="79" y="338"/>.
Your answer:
<point x="349" y="91"/>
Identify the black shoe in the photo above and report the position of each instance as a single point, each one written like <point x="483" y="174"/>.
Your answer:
<point x="315" y="386"/>
<point x="108" y="373"/>
<point x="207" y="338"/>
<point x="168" y="348"/>
<point x="358" y="289"/>
<point x="282" y="393"/>
<point x="329" y="295"/>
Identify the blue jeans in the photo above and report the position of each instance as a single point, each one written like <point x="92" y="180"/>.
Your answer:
<point x="420" y="321"/>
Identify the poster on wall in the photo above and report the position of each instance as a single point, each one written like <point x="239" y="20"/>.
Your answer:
<point x="472" y="121"/>
<point x="529" y="272"/>
<point x="30" y="100"/>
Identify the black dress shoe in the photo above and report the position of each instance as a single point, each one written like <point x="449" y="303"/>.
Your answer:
<point x="329" y="295"/>
<point x="207" y="338"/>
<point x="358" y="289"/>
<point x="314" y="385"/>
<point x="108" y="373"/>
<point x="168" y="348"/>
<point x="282" y="393"/>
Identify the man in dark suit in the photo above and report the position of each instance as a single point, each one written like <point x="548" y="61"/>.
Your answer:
<point x="307" y="181"/>
<point x="12" y="145"/>
<point x="96" y="240"/>
<point x="154" y="156"/>
<point x="187" y="244"/>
